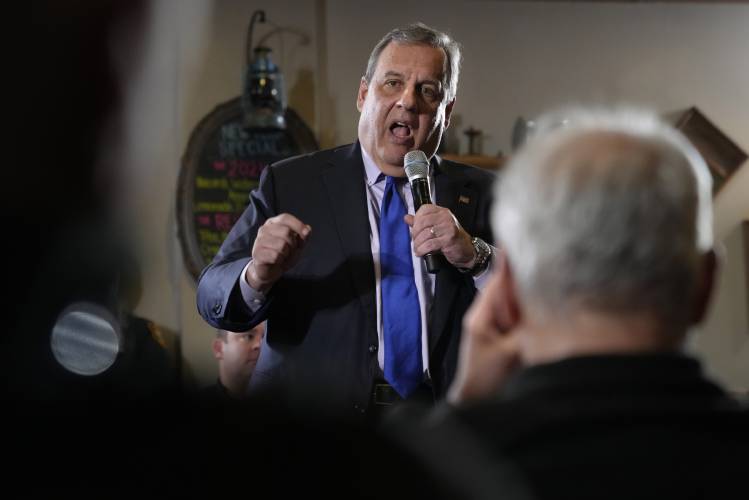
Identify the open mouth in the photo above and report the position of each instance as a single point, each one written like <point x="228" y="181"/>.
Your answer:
<point x="401" y="130"/>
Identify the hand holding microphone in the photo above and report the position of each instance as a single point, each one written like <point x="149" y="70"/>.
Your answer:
<point x="434" y="229"/>
<point x="416" y="166"/>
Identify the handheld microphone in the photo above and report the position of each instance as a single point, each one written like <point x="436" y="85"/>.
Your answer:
<point x="417" y="170"/>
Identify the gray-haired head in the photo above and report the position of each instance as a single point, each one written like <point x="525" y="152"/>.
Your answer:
<point x="420" y="33"/>
<point x="610" y="212"/>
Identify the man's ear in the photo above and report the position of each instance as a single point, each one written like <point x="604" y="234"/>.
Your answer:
<point x="218" y="349"/>
<point x="705" y="285"/>
<point x="507" y="303"/>
<point x="362" y="94"/>
<point x="449" y="112"/>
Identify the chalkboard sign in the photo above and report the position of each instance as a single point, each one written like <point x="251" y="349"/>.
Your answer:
<point x="221" y="166"/>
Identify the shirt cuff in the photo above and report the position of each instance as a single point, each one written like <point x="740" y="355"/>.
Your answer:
<point x="252" y="297"/>
<point x="481" y="279"/>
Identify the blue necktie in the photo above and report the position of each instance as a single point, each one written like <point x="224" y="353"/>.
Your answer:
<point x="401" y="317"/>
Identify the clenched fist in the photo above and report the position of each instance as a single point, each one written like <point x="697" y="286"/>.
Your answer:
<point x="277" y="248"/>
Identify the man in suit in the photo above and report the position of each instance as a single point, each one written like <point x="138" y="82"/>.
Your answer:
<point x="311" y="254"/>
<point x="572" y="367"/>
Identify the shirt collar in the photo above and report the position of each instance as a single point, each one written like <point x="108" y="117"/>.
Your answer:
<point x="372" y="171"/>
<point x="602" y="370"/>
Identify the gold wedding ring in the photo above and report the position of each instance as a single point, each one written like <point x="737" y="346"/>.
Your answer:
<point x="431" y="230"/>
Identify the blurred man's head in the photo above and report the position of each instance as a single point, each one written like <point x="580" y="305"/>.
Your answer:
<point x="608" y="218"/>
<point x="237" y="354"/>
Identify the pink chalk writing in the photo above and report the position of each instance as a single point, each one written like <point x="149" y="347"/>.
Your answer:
<point x="223" y="222"/>
<point x="248" y="169"/>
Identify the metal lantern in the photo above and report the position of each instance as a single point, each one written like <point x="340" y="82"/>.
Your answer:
<point x="263" y="90"/>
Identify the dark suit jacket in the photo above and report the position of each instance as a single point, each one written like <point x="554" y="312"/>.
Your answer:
<point x="646" y="426"/>
<point x="322" y="332"/>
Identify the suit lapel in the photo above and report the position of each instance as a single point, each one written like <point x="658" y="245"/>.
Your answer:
<point x="452" y="192"/>
<point x="344" y="182"/>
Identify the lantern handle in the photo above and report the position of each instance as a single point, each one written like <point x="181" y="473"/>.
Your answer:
<point x="258" y="15"/>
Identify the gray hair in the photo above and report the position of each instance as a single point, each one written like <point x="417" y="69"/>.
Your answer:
<point x="420" y="33"/>
<point x="610" y="211"/>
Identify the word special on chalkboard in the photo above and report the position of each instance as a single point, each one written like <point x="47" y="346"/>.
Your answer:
<point x="221" y="166"/>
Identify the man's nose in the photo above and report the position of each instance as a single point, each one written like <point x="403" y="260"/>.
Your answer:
<point x="407" y="99"/>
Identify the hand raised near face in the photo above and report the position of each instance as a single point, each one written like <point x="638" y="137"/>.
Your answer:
<point x="489" y="347"/>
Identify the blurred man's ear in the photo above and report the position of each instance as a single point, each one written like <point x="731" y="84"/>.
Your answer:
<point x="707" y="273"/>
<point x="218" y="349"/>
<point x="507" y="304"/>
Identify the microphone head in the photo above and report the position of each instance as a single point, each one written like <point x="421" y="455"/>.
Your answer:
<point x="416" y="165"/>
